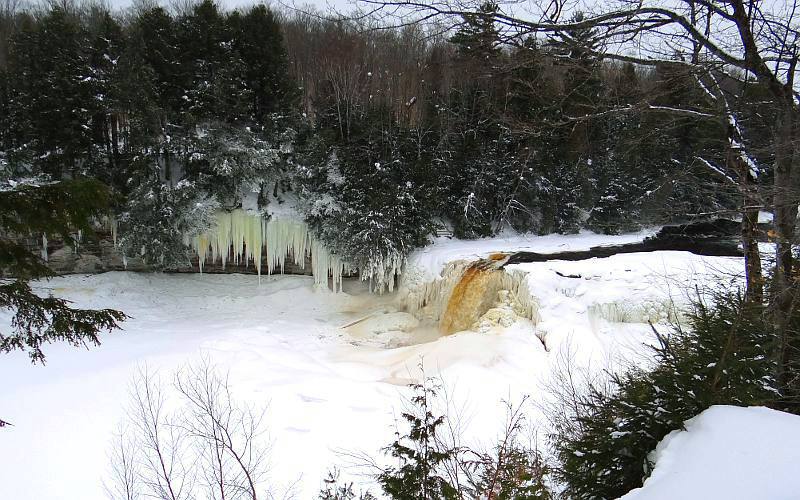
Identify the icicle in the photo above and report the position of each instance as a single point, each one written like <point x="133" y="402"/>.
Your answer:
<point x="112" y="224"/>
<point x="201" y="249"/>
<point x="248" y="236"/>
<point x="78" y="240"/>
<point x="44" y="247"/>
<point x="286" y="236"/>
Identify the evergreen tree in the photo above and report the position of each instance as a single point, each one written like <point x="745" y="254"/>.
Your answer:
<point x="258" y="41"/>
<point x="158" y="218"/>
<point x="49" y="210"/>
<point x="419" y="475"/>
<point x="52" y="99"/>
<point x="723" y="357"/>
<point x="105" y="49"/>
<point x="477" y="36"/>
<point x="217" y="87"/>
<point x="154" y="36"/>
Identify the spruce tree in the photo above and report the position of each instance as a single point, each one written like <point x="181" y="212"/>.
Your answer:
<point x="477" y="36"/>
<point x="722" y="357"/>
<point x="421" y="458"/>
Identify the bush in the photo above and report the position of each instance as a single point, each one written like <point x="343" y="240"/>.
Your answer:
<point x="724" y="357"/>
<point x="194" y="441"/>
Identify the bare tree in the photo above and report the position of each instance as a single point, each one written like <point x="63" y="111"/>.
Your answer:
<point x="227" y="435"/>
<point x="162" y="446"/>
<point x="210" y="445"/>
<point x="124" y="481"/>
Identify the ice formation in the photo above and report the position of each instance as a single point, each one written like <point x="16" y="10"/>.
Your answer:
<point x="242" y="237"/>
<point x="463" y="294"/>
<point x="646" y="311"/>
<point x="44" y="247"/>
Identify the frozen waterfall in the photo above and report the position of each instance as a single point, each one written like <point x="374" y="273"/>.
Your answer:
<point x="242" y="237"/>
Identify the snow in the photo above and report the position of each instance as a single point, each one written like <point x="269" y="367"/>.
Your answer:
<point x="331" y="367"/>
<point x="325" y="389"/>
<point x="594" y="300"/>
<point x="727" y="452"/>
<point x="431" y="259"/>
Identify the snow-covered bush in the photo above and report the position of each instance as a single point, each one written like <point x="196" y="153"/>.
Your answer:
<point x="723" y="357"/>
<point x="223" y="160"/>
<point x="368" y="214"/>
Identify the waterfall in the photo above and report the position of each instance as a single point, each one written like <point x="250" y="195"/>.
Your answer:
<point x="464" y="292"/>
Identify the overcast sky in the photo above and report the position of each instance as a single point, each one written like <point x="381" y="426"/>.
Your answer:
<point x="338" y="5"/>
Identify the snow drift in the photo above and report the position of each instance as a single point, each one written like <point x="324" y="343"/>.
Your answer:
<point x="727" y="452"/>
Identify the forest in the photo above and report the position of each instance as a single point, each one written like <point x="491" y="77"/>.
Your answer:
<point x="379" y="135"/>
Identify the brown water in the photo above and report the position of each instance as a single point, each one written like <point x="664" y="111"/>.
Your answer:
<point x="473" y="295"/>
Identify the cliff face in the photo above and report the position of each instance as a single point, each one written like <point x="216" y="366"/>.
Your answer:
<point x="100" y="255"/>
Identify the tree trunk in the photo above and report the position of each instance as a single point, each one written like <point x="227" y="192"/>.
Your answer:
<point x="754" y="279"/>
<point x="786" y="204"/>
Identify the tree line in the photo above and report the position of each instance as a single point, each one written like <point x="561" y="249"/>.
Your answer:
<point x="381" y="133"/>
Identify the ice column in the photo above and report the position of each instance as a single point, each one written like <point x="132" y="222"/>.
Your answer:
<point x="242" y="237"/>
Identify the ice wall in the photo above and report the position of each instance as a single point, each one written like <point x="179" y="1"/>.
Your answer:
<point x="241" y="237"/>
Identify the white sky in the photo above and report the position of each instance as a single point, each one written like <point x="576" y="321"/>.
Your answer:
<point x="338" y="5"/>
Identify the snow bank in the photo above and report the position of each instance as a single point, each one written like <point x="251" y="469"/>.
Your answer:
<point x="430" y="260"/>
<point x="728" y="453"/>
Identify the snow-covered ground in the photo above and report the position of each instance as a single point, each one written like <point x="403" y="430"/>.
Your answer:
<point x="729" y="453"/>
<point x="328" y="389"/>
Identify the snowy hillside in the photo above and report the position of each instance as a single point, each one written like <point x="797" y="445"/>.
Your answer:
<point x="331" y="368"/>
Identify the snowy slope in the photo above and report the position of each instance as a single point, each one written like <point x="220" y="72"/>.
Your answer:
<point x="327" y="388"/>
<point x="280" y="341"/>
<point x="729" y="453"/>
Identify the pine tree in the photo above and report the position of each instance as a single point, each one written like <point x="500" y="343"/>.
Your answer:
<point x="723" y="357"/>
<point x="217" y="87"/>
<point x="420" y="454"/>
<point x="154" y="37"/>
<point x="258" y="41"/>
<point x="104" y="51"/>
<point x="52" y="101"/>
<point x="158" y="217"/>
